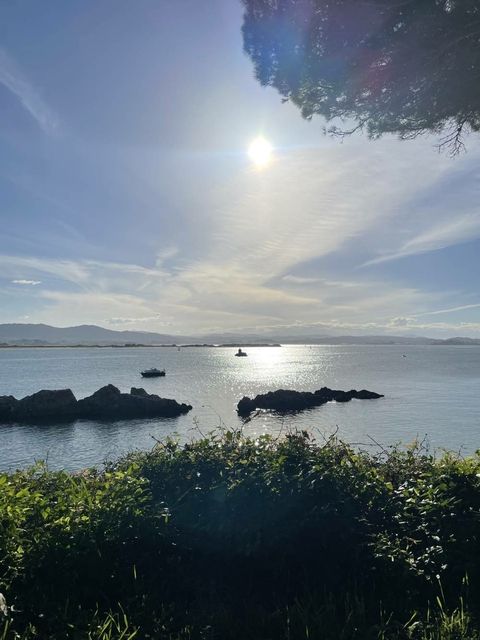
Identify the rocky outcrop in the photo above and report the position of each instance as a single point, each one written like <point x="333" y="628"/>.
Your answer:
<point x="286" y="400"/>
<point x="138" y="392"/>
<point x="107" y="402"/>
<point x="7" y="407"/>
<point x="47" y="404"/>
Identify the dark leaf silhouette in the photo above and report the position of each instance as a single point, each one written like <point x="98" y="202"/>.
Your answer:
<point x="406" y="67"/>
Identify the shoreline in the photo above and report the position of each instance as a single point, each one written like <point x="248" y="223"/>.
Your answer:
<point x="245" y="345"/>
<point x="137" y="346"/>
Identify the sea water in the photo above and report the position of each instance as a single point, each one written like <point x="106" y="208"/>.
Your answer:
<point x="430" y="391"/>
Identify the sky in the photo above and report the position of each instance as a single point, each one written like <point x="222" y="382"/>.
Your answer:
<point x="128" y="198"/>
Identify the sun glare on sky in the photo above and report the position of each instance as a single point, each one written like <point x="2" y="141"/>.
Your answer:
<point x="260" y="152"/>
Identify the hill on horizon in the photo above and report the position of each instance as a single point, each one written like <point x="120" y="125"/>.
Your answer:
<point x="17" y="333"/>
<point x="43" y="334"/>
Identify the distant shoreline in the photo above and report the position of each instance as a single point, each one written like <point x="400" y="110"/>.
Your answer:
<point x="135" y="346"/>
<point x="245" y="345"/>
<point x="46" y="336"/>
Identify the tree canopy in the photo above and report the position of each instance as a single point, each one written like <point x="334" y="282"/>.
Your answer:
<point x="385" y="66"/>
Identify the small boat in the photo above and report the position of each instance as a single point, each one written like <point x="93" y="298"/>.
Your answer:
<point x="153" y="373"/>
<point x="241" y="354"/>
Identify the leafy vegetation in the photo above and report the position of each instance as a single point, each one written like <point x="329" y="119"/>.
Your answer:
<point x="230" y="537"/>
<point x="386" y="66"/>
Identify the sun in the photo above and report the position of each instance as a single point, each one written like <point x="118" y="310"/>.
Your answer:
<point x="260" y="152"/>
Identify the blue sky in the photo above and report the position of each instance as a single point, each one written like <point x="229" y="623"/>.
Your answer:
<point x="128" y="200"/>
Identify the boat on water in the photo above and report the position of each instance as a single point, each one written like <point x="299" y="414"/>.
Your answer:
<point x="241" y="354"/>
<point x="153" y="373"/>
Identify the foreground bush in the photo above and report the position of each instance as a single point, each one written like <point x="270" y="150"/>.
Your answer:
<point x="229" y="537"/>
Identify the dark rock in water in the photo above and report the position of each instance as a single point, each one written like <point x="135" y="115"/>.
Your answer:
<point x="363" y="394"/>
<point x="287" y="400"/>
<point x="7" y="407"/>
<point x="107" y="402"/>
<point x="99" y="402"/>
<point x="47" y="404"/>
<point x="134" y="391"/>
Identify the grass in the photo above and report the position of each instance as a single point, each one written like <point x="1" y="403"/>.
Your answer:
<point x="232" y="538"/>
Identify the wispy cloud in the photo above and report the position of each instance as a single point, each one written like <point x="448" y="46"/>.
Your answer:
<point x="67" y="270"/>
<point x="299" y="279"/>
<point x="12" y="77"/>
<point x="133" y="321"/>
<point x="437" y="328"/>
<point x="463" y="307"/>
<point x="32" y="283"/>
<point x="166" y="254"/>
<point x="83" y="273"/>
<point x="439" y="236"/>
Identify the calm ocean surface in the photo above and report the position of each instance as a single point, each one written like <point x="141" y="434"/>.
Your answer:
<point x="433" y="391"/>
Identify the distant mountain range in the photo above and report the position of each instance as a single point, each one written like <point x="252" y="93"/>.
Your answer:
<point x="43" y="334"/>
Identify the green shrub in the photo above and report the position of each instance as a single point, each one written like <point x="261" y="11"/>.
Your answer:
<point x="231" y="537"/>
